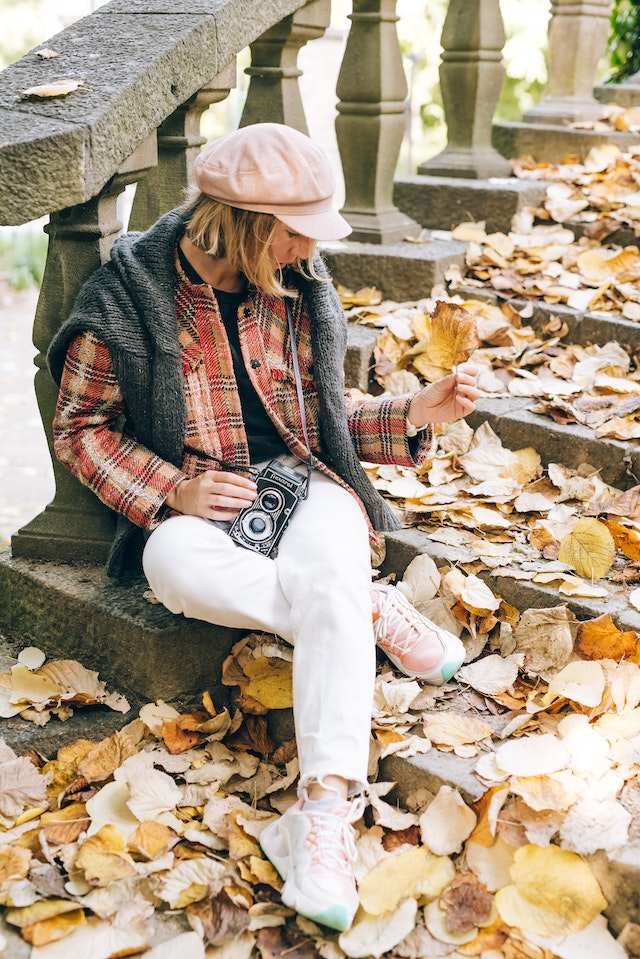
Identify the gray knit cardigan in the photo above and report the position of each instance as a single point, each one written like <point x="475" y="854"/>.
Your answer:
<point x="129" y="304"/>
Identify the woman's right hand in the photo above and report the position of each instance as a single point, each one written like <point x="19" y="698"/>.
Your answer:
<point x="212" y="495"/>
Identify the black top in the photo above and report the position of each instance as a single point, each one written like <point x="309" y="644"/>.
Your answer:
<point x="262" y="436"/>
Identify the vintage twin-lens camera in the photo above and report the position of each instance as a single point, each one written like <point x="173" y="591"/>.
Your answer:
<point x="260" y="526"/>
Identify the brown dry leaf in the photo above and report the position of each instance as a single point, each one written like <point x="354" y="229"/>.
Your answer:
<point x="466" y="902"/>
<point x="393" y="839"/>
<point x="488" y="809"/>
<point x="58" y="88"/>
<point x="453" y="335"/>
<point x="589" y="548"/>
<point x="101" y="762"/>
<point x="177" y="739"/>
<point x="103" y="859"/>
<point x="241" y="845"/>
<point x="455" y="729"/>
<point x="65" y="825"/>
<point x="414" y="872"/>
<point x="601" y="639"/>
<point x="218" y="919"/>
<point x="554" y="892"/>
<point x="253" y="736"/>
<point x="471" y="592"/>
<point x="545" y="638"/>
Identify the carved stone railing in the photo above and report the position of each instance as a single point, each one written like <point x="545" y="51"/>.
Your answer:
<point x="147" y="78"/>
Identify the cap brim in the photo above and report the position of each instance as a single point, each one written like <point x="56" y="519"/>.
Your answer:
<point x="329" y="225"/>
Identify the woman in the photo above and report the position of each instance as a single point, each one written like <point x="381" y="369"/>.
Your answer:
<point x="207" y="348"/>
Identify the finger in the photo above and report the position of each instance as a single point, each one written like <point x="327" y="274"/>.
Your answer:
<point x="232" y="479"/>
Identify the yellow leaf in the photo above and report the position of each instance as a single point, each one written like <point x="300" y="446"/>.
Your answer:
<point x="150" y="839"/>
<point x="454" y="335"/>
<point x="58" y="88"/>
<point x="589" y="548"/>
<point x="102" y="857"/>
<point x="29" y="687"/>
<point x="269" y="682"/>
<point x="39" y="911"/>
<point x="416" y="872"/>
<point x="51" y="930"/>
<point x="554" y="893"/>
<point x="14" y="864"/>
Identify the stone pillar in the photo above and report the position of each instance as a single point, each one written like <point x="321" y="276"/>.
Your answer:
<point x="578" y="33"/>
<point x="372" y="91"/>
<point x="179" y="142"/>
<point x="274" y="94"/>
<point x="471" y="76"/>
<point x="75" y="526"/>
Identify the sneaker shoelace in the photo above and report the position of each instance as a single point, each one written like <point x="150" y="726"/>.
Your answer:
<point x="331" y="843"/>
<point x="405" y="633"/>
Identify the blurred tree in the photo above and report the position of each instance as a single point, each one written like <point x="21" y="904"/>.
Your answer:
<point x="624" y="40"/>
<point x="20" y="29"/>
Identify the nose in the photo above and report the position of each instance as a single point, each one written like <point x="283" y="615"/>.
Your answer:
<point x="303" y="245"/>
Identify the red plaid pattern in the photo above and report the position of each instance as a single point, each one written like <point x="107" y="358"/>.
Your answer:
<point x="132" y="480"/>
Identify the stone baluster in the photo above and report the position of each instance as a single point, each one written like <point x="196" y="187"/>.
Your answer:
<point x="578" y="32"/>
<point x="179" y="142"/>
<point x="372" y="92"/>
<point x="75" y="526"/>
<point x="274" y="93"/>
<point x="471" y="76"/>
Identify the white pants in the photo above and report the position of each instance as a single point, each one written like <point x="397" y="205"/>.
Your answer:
<point x="315" y="594"/>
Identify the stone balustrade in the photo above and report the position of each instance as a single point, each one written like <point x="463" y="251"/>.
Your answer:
<point x="150" y="69"/>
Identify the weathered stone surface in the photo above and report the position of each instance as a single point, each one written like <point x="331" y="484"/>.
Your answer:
<point x="441" y="203"/>
<point x="619" y="878"/>
<point x="357" y="368"/>
<point x="401" y="271"/>
<point x="431" y="771"/>
<point x="163" y="56"/>
<point x="552" y="143"/>
<point x="139" y="648"/>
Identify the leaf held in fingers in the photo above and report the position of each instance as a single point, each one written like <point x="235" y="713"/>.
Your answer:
<point x="589" y="548"/>
<point x="454" y="336"/>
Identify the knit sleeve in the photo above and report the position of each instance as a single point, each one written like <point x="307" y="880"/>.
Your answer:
<point x="92" y="440"/>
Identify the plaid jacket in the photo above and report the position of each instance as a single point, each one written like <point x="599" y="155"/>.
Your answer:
<point x="111" y="444"/>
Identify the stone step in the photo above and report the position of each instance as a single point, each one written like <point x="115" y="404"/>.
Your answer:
<point x="441" y="203"/>
<point x="552" y="143"/>
<point x="404" y="271"/>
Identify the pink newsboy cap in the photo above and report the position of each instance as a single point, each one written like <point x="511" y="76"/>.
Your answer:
<point x="272" y="168"/>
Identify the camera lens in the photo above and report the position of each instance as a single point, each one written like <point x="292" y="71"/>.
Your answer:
<point x="257" y="526"/>
<point x="271" y="500"/>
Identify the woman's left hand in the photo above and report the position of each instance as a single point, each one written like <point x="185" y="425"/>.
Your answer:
<point x="446" y="400"/>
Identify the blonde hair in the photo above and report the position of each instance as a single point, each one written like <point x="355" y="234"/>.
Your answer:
<point x="243" y="237"/>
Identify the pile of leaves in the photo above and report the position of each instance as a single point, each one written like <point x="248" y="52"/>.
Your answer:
<point x="148" y="842"/>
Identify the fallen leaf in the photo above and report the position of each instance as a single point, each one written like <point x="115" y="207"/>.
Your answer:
<point x="375" y="935"/>
<point x="601" y="639"/>
<point x="58" y="88"/>
<point x="554" y="892"/>
<point x="466" y="901"/>
<point x="589" y="548"/>
<point x="447" y="822"/>
<point x="414" y="872"/>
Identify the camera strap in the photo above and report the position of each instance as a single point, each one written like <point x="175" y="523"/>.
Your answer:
<point x="296" y="373"/>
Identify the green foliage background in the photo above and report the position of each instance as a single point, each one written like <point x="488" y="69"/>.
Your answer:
<point x="624" y="40"/>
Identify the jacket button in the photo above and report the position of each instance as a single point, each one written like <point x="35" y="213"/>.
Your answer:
<point x="255" y="364"/>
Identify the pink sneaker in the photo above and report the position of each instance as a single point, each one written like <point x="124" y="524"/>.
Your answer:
<point x="314" y="851"/>
<point x="411" y="641"/>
